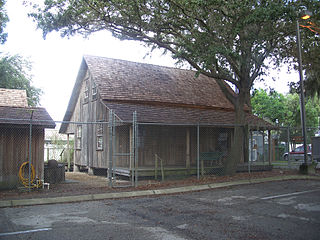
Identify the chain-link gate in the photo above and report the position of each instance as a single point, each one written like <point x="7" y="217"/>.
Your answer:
<point x="122" y="149"/>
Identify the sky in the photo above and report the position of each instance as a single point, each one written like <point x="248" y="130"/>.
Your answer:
<point x="56" y="61"/>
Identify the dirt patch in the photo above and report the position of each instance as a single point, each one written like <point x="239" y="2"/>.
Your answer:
<point x="82" y="183"/>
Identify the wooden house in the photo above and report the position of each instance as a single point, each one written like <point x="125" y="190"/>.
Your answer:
<point x="169" y="102"/>
<point x="15" y="119"/>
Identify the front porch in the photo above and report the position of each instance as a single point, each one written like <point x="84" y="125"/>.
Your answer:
<point x="182" y="171"/>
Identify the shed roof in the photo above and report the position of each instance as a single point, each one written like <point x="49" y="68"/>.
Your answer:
<point x="22" y="116"/>
<point x="13" y="97"/>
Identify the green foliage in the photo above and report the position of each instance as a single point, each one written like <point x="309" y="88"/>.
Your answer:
<point x="312" y="107"/>
<point x="3" y="21"/>
<point x="271" y="107"/>
<point x="284" y="108"/>
<point x="310" y="41"/>
<point x="14" y="72"/>
<point x="293" y="120"/>
<point x="311" y="65"/>
<point x="227" y="40"/>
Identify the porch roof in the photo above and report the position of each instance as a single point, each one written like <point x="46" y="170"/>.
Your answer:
<point x="171" y="114"/>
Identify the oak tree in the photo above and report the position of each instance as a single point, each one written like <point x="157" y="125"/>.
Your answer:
<point x="226" y="40"/>
<point x="3" y="22"/>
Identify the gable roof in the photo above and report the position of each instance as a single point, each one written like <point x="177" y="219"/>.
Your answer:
<point x="157" y="93"/>
<point x="140" y="82"/>
<point x="13" y="97"/>
<point x="22" y="116"/>
<point x="121" y="80"/>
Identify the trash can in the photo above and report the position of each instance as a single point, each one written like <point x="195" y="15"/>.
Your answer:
<point x="54" y="172"/>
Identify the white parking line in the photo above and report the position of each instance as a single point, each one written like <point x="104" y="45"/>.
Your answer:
<point x="24" y="232"/>
<point x="289" y="194"/>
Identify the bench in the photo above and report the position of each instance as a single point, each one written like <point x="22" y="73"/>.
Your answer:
<point x="214" y="158"/>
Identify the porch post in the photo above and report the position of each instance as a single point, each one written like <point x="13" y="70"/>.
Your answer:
<point x="68" y="151"/>
<point x="188" y="148"/>
<point x="48" y="149"/>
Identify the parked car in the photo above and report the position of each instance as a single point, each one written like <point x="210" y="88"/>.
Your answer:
<point x="298" y="154"/>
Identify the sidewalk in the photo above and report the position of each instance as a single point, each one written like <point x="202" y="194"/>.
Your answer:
<point x="151" y="192"/>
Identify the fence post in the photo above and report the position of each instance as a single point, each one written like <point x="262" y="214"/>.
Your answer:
<point x="263" y="147"/>
<point x="270" y="147"/>
<point x="135" y="143"/>
<point x="251" y="149"/>
<point x="198" y="151"/>
<point x="132" y="154"/>
<point x="288" y="148"/>
<point x="110" y="146"/>
<point x="30" y="150"/>
<point x="114" y="145"/>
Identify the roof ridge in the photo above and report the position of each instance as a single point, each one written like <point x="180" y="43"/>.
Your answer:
<point x="129" y="61"/>
<point x="28" y="107"/>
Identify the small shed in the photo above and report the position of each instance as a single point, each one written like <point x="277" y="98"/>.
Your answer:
<point x="16" y="120"/>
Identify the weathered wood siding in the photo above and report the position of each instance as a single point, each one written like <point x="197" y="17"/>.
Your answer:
<point x="14" y="150"/>
<point x="121" y="148"/>
<point x="99" y="156"/>
<point x="88" y="110"/>
<point x="170" y="144"/>
<point x="79" y="153"/>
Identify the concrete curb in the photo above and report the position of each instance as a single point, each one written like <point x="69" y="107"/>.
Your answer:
<point x="102" y="196"/>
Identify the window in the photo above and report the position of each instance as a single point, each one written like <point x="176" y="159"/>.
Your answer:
<point x="86" y="91"/>
<point x="99" y="143"/>
<point x="94" y="90"/>
<point x="99" y="134"/>
<point x="79" y="137"/>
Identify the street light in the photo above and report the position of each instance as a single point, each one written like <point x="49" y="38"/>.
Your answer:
<point x="306" y="16"/>
<point x="302" y="102"/>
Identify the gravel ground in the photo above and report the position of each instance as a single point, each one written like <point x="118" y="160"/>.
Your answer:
<point x="82" y="183"/>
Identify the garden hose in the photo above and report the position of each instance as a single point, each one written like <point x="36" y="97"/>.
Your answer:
<point x="24" y="176"/>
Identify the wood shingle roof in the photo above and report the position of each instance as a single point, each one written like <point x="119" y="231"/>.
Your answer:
<point x="159" y="94"/>
<point x="22" y="116"/>
<point x="13" y="97"/>
<point x="121" y="80"/>
<point x="164" y="114"/>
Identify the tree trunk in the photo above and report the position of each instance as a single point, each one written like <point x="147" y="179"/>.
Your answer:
<point x="238" y="145"/>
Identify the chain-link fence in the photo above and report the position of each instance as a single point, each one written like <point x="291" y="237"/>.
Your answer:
<point x="288" y="150"/>
<point x="125" y="152"/>
<point x="21" y="154"/>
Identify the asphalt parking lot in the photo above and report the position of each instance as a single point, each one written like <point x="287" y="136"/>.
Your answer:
<point x="273" y="210"/>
